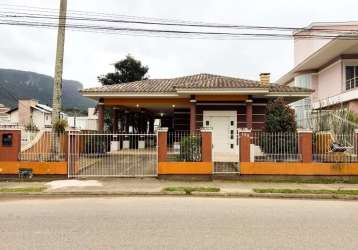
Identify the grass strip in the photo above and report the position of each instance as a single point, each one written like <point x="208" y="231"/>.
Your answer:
<point x="189" y="190"/>
<point x="306" y="191"/>
<point x="22" y="190"/>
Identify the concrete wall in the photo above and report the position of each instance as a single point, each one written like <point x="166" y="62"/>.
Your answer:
<point x="330" y="81"/>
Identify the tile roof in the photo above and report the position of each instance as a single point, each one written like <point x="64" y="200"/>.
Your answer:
<point x="199" y="81"/>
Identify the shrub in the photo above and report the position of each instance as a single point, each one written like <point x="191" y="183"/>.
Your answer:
<point x="31" y="127"/>
<point x="60" y="126"/>
<point x="280" y="117"/>
<point x="190" y="148"/>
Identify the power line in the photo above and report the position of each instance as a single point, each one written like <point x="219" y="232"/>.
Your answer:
<point x="83" y="21"/>
<point x="168" y="22"/>
<point x="168" y="32"/>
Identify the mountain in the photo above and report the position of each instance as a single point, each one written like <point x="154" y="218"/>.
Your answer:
<point x="16" y="84"/>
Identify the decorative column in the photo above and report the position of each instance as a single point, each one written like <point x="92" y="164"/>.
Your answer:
<point x="249" y="114"/>
<point x="100" y="113"/>
<point x="192" y="114"/>
<point x="115" y="120"/>
<point x="305" y="144"/>
<point x="206" y="145"/>
<point x="245" y="142"/>
<point x="162" y="144"/>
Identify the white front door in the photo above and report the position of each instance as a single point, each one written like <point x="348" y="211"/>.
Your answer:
<point x="224" y="135"/>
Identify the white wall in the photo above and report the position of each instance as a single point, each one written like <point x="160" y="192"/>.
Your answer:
<point x="83" y="123"/>
<point x="14" y="116"/>
<point x="38" y="119"/>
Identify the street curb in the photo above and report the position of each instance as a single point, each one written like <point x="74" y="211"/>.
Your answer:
<point x="48" y="195"/>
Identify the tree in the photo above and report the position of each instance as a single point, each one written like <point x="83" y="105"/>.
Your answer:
<point x="280" y="126"/>
<point x="280" y="117"/>
<point x="126" y="70"/>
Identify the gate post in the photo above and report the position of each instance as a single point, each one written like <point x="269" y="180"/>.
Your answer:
<point x="10" y="144"/>
<point x="305" y="144"/>
<point x="162" y="144"/>
<point x="206" y="145"/>
<point x="73" y="151"/>
<point x="245" y="144"/>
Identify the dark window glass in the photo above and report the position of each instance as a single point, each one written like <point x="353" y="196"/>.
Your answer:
<point x="7" y="140"/>
<point x="350" y="74"/>
<point x="232" y="123"/>
<point x="231" y="145"/>
<point x="207" y="123"/>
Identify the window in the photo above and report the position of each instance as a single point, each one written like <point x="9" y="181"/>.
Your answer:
<point x="232" y="123"/>
<point x="351" y="77"/>
<point x="207" y="123"/>
<point x="7" y="140"/>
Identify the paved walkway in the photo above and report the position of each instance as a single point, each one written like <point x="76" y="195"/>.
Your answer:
<point x="152" y="185"/>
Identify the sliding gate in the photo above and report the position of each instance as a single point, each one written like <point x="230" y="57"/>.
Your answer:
<point x="112" y="155"/>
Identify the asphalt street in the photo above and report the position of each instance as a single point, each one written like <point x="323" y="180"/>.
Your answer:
<point x="178" y="223"/>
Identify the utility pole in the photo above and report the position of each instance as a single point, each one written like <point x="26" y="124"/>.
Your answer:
<point x="57" y="84"/>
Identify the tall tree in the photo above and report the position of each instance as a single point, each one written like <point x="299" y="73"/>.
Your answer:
<point x="126" y="70"/>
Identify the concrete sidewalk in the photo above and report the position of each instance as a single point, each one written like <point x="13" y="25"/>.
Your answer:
<point x="153" y="186"/>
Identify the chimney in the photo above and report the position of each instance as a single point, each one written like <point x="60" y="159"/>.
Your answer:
<point x="265" y="78"/>
<point x="24" y="109"/>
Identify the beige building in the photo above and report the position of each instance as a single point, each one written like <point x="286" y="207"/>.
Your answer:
<point x="327" y="65"/>
<point x="32" y="112"/>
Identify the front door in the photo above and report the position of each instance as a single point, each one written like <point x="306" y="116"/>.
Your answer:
<point x="224" y="131"/>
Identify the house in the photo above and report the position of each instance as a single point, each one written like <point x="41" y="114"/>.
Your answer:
<point x="30" y="111"/>
<point x="189" y="103"/>
<point x="327" y="65"/>
<point x="88" y="122"/>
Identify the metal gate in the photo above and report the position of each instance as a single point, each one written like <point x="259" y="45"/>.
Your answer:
<point x="228" y="162"/>
<point x="111" y="155"/>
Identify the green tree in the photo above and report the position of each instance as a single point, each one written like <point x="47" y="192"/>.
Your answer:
<point x="126" y="70"/>
<point x="280" y="117"/>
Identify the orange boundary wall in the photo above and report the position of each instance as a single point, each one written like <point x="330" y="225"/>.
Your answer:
<point x="12" y="167"/>
<point x="185" y="168"/>
<point x="298" y="168"/>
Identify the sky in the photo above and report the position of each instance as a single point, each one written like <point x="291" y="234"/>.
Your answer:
<point x="88" y="55"/>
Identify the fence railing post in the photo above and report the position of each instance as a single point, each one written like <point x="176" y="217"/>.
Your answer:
<point x="305" y="144"/>
<point x="162" y="144"/>
<point x="356" y="141"/>
<point x="245" y="144"/>
<point x="206" y="145"/>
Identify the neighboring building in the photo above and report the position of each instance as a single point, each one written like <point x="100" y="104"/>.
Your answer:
<point x="328" y="65"/>
<point x="4" y="116"/>
<point x="190" y="103"/>
<point x="88" y="122"/>
<point x="32" y="112"/>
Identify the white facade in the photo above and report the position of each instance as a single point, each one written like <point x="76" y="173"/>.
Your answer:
<point x="88" y="122"/>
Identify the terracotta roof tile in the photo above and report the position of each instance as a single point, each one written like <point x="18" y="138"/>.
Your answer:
<point x="199" y="81"/>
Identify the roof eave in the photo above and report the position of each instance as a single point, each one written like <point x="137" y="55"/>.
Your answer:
<point x="96" y="94"/>
<point x="290" y="94"/>
<point x="222" y="91"/>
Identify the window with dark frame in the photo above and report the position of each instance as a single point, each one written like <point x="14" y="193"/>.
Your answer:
<point x="7" y="140"/>
<point x="351" y="77"/>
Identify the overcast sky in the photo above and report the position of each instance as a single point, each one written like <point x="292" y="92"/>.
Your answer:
<point x="88" y="55"/>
